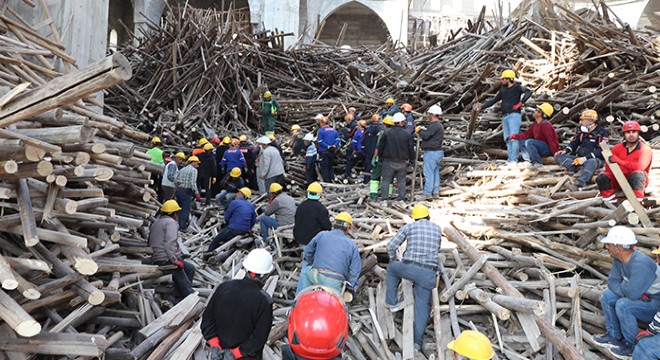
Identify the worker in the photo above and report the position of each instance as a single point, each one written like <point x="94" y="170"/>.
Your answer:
<point x="220" y="153"/>
<point x="163" y="240"/>
<point x="647" y="345"/>
<point x="327" y="141"/>
<point x="346" y="132"/>
<point x="419" y="265"/>
<point x="472" y="345"/>
<point x="369" y="142"/>
<point x="200" y="146"/>
<point x="186" y="190"/>
<point x="353" y="111"/>
<point x="240" y="217"/>
<point x="409" y="124"/>
<point x="632" y="294"/>
<point x="156" y="154"/>
<point x="271" y="164"/>
<point x="281" y="206"/>
<point x="377" y="166"/>
<point x="333" y="260"/>
<point x="510" y="94"/>
<point x="584" y="152"/>
<point x="390" y="108"/>
<point x="311" y="159"/>
<point x="269" y="109"/>
<point x="311" y="216"/>
<point x="540" y="139"/>
<point x="274" y="143"/>
<point x="395" y="150"/>
<point x="206" y="172"/>
<point x="229" y="186"/>
<point x="215" y="140"/>
<point x="318" y="121"/>
<point x="248" y="173"/>
<point x="317" y="326"/>
<point x="169" y="175"/>
<point x="356" y="154"/>
<point x="432" y="138"/>
<point x="239" y="315"/>
<point x="634" y="157"/>
<point x="233" y="157"/>
<point x="296" y="141"/>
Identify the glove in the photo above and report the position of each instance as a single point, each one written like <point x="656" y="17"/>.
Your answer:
<point x="374" y="161"/>
<point x="179" y="264"/>
<point x="517" y="106"/>
<point x="198" y="197"/>
<point x="480" y="110"/>
<point x="579" y="161"/>
<point x="233" y="354"/>
<point x="641" y="335"/>
<point x="213" y="181"/>
<point x="645" y="297"/>
<point x="217" y="354"/>
<point x="512" y="136"/>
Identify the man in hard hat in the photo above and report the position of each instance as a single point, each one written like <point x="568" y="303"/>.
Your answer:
<point x="353" y="111"/>
<point x="472" y="345"/>
<point x="396" y="151"/>
<point x="233" y="157"/>
<point x="584" y="152"/>
<point x="634" y="157"/>
<point x="156" y="153"/>
<point x="327" y="141"/>
<point x="271" y="164"/>
<point x="376" y="164"/>
<point x="432" y="138"/>
<point x="318" y="121"/>
<point x="247" y="150"/>
<point x="296" y="141"/>
<point x="648" y="341"/>
<point x="540" y="139"/>
<point x="356" y="154"/>
<point x="239" y="315"/>
<point x="510" y="94"/>
<point x="229" y="186"/>
<point x="369" y="141"/>
<point x="347" y="131"/>
<point x="239" y="217"/>
<point x="280" y="211"/>
<point x="419" y="264"/>
<point x="219" y="154"/>
<point x="390" y="108"/>
<point x="163" y="240"/>
<point x="169" y="175"/>
<point x="317" y="326"/>
<point x="633" y="291"/>
<point x="200" y="146"/>
<point x="186" y="190"/>
<point x="311" y="159"/>
<point x="206" y="172"/>
<point x="409" y="123"/>
<point x="333" y="259"/>
<point x="276" y="144"/>
<point x="269" y="109"/>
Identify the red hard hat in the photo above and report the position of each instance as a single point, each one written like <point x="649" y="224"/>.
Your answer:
<point x="406" y="107"/>
<point x="631" y="126"/>
<point x="318" y="325"/>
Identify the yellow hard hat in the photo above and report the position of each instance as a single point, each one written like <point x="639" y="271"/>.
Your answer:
<point x="547" y="109"/>
<point x="345" y="217"/>
<point x="208" y="146"/>
<point x="245" y="191"/>
<point x="203" y="141"/>
<point x="267" y="94"/>
<point x="589" y="115"/>
<point x="193" y="158"/>
<point x="388" y="121"/>
<point x="389" y="101"/>
<point x="235" y="142"/>
<point x="180" y="155"/>
<point x="242" y="138"/>
<point x="420" y="211"/>
<point x="155" y="140"/>
<point x="295" y="127"/>
<point x="274" y="187"/>
<point x="271" y="137"/>
<point x="508" y="74"/>
<point x="315" y="187"/>
<point x="235" y="172"/>
<point x="170" y="206"/>
<point x="226" y="140"/>
<point x="656" y="251"/>
<point x="473" y="345"/>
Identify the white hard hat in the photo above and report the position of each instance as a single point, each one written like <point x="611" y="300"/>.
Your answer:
<point x="318" y="117"/>
<point x="435" y="110"/>
<point x="264" y="140"/>
<point x="309" y="137"/>
<point x="258" y="261"/>
<point x="398" y="117"/>
<point x="620" y="235"/>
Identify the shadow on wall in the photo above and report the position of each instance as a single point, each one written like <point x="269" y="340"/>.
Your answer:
<point x="355" y="25"/>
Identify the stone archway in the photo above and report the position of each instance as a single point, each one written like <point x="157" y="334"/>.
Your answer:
<point x="119" y="12"/>
<point x="364" y="27"/>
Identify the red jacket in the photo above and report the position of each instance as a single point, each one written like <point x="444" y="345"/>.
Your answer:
<point x="543" y="131"/>
<point x="637" y="160"/>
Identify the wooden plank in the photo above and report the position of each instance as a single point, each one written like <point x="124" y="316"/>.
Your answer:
<point x="408" y="319"/>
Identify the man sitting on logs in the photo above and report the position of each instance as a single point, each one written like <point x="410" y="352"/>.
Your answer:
<point x="333" y="259"/>
<point x="633" y="291"/>
<point x="229" y="187"/>
<point x="634" y="157"/>
<point x="240" y="217"/>
<point x="186" y="190"/>
<point x="163" y="240"/>
<point x="283" y="209"/>
<point x="239" y="315"/>
<point x="540" y="139"/>
<point x="648" y="341"/>
<point x="419" y="265"/>
<point x="584" y="152"/>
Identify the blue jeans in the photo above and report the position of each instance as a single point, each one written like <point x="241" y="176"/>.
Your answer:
<point x="647" y="349"/>
<point x="302" y="267"/>
<point x="225" y="197"/>
<point x="511" y="125"/>
<point x="423" y="282"/>
<point x="266" y="223"/>
<point x="185" y="198"/>
<point x="432" y="161"/>
<point x="533" y="149"/>
<point x="182" y="278"/>
<point x="223" y="236"/>
<point x="588" y="168"/>
<point x="310" y="276"/>
<point x="621" y="315"/>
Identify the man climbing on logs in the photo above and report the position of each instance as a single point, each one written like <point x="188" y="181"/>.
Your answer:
<point x="239" y="315"/>
<point x="239" y="217"/>
<point x="282" y="207"/>
<point x="634" y="157"/>
<point x="327" y="142"/>
<point x="268" y="109"/>
<point x="229" y="187"/>
<point x="472" y="345"/>
<point x="169" y="175"/>
<point x="633" y="291"/>
<point x="396" y="151"/>
<point x="432" y="138"/>
<point x="390" y="108"/>
<point x="540" y="139"/>
<point x="419" y="264"/>
<point x="186" y="190"/>
<point x="156" y="153"/>
<point x="584" y="152"/>
<point x="510" y="94"/>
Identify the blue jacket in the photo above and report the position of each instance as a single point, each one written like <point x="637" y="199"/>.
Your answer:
<point x="410" y="123"/>
<point x="356" y="143"/>
<point x="370" y="138"/>
<point x="588" y="144"/>
<point x="640" y="275"/>
<point x="389" y="112"/>
<point x="233" y="158"/>
<point x="311" y="155"/>
<point x="337" y="253"/>
<point x="240" y="216"/>
<point x="326" y="138"/>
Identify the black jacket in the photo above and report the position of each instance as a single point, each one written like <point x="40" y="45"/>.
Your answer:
<point x="588" y="144"/>
<point x="396" y="144"/>
<point x="207" y="166"/>
<point x="311" y="218"/>
<point x="510" y="96"/>
<point x="433" y="136"/>
<point x="240" y="314"/>
<point x="370" y="138"/>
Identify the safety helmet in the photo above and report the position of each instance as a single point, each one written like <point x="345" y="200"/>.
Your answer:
<point x="375" y="118"/>
<point x="271" y="137"/>
<point x="267" y="94"/>
<point x="309" y="137"/>
<point x="170" y="206"/>
<point x="388" y="121"/>
<point x="389" y="101"/>
<point x="242" y="138"/>
<point x="420" y="211"/>
<point x="589" y="114"/>
<point x="264" y="140"/>
<point x="234" y="142"/>
<point x="349" y="117"/>
<point x="473" y="345"/>
<point x="345" y="217"/>
<point x="406" y="107"/>
<point x="203" y="141"/>
<point x="193" y="158"/>
<point x="215" y="140"/>
<point x="235" y="172"/>
<point x="295" y="127"/>
<point x="546" y="109"/>
<point x="274" y="188"/>
<point x="246" y="191"/>
<point x="362" y="123"/>
<point x="208" y="146"/>
<point x="258" y="261"/>
<point x="318" y="117"/>
<point x="315" y="187"/>
<point x="631" y="126"/>
<point x="656" y="251"/>
<point x="155" y="140"/>
<point x="180" y="155"/>
<point x="620" y="235"/>
<point x="435" y="110"/>
<point x="318" y="325"/>
<point x="226" y="140"/>
<point x="398" y="117"/>
<point x="352" y="109"/>
<point x="508" y="74"/>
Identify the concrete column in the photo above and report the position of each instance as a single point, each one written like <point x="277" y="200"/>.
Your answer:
<point x="283" y="16"/>
<point x="146" y="11"/>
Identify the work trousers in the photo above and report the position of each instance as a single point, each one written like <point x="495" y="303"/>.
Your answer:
<point x="182" y="278"/>
<point x="621" y="315"/>
<point x="432" y="160"/>
<point x="185" y="198"/>
<point x="511" y="125"/>
<point x="310" y="174"/>
<point x="393" y="169"/>
<point x="589" y="167"/>
<point x="368" y="167"/>
<point x="204" y="185"/>
<point x="327" y="159"/>
<point x="532" y="150"/>
<point x="311" y="276"/>
<point x="224" y="198"/>
<point x="351" y="161"/>
<point x="223" y="236"/>
<point x="607" y="183"/>
<point x="266" y="222"/>
<point x="647" y="349"/>
<point x="168" y="193"/>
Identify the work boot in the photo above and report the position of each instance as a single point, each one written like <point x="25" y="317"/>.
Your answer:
<point x="623" y="351"/>
<point x="571" y="187"/>
<point x="608" y="341"/>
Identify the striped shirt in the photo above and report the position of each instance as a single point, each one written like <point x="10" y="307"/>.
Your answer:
<point x="187" y="178"/>
<point x="654" y="326"/>
<point x="423" y="243"/>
